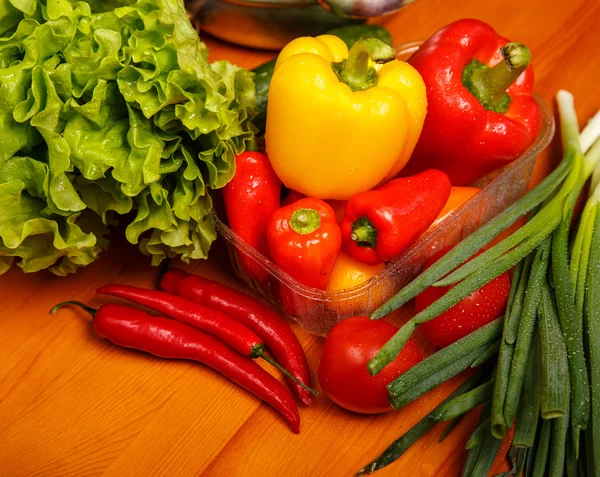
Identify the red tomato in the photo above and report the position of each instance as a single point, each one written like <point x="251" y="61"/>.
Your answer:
<point x="468" y="315"/>
<point x="343" y="372"/>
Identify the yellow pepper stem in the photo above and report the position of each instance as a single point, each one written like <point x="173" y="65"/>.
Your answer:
<point x="356" y="71"/>
<point x="489" y="85"/>
<point x="305" y="221"/>
<point x="363" y="233"/>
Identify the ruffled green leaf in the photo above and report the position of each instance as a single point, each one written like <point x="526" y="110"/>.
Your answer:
<point x="108" y="107"/>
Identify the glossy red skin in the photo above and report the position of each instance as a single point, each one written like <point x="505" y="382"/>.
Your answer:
<point x="309" y="258"/>
<point x="268" y="325"/>
<point x="478" y="309"/>
<point x="343" y="372"/>
<point x="401" y="211"/>
<point x="460" y="136"/>
<point x="166" y="338"/>
<point x="231" y="332"/>
<point x="250" y="199"/>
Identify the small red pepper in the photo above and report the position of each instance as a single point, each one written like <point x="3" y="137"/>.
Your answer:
<point x="222" y="326"/>
<point x="268" y="325"/>
<point x="481" y="114"/>
<point x="304" y="239"/>
<point x="380" y="224"/>
<point x="250" y="199"/>
<point x="166" y="338"/>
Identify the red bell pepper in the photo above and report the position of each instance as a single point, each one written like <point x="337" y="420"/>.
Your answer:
<point x="250" y="199"/>
<point x="481" y="114"/>
<point x="380" y="224"/>
<point x="305" y="240"/>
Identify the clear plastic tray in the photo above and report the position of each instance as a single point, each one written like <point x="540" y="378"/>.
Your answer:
<point x="318" y="310"/>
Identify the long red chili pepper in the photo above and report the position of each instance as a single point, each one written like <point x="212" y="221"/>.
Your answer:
<point x="166" y="338"/>
<point x="231" y="332"/>
<point x="272" y="329"/>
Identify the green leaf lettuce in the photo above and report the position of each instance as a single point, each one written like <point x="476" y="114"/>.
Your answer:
<point x="111" y="110"/>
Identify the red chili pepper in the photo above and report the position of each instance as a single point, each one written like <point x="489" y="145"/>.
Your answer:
<point x="166" y="338"/>
<point x="250" y="199"/>
<point x="270" y="327"/>
<point x="480" y="113"/>
<point x="380" y="224"/>
<point x="231" y="332"/>
<point x="304" y="239"/>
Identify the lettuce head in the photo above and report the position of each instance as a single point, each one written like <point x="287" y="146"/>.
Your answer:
<point x="110" y="111"/>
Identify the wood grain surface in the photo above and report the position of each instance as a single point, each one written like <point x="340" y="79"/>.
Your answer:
<point x="72" y="404"/>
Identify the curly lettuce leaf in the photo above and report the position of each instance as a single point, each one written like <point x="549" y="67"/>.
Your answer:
<point x="108" y="108"/>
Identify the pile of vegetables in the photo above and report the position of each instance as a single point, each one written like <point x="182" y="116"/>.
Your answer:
<point x="536" y="367"/>
<point x="386" y="151"/>
<point x="110" y="110"/>
<point x="543" y="356"/>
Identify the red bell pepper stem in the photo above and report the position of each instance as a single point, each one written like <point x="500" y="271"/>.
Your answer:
<point x="231" y="332"/>
<point x="489" y="85"/>
<point x="272" y="329"/>
<point x="355" y="71"/>
<point x="166" y="338"/>
<point x="363" y="232"/>
<point x="305" y="221"/>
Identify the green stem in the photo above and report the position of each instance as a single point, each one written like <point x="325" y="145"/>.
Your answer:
<point x="305" y="221"/>
<point x="356" y="71"/>
<point x="258" y="351"/>
<point x="489" y="85"/>
<point x="537" y="278"/>
<point x="363" y="233"/>
<point x="590" y="133"/>
<point x="89" y="309"/>
<point x="401" y="445"/>
<point x="554" y="362"/>
<point x="592" y="312"/>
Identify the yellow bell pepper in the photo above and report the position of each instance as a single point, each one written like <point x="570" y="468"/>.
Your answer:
<point x="339" y="122"/>
<point x="349" y="273"/>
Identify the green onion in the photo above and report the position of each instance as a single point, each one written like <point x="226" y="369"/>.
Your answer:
<point x="542" y="449"/>
<point x="487" y="454"/>
<point x="529" y="408"/>
<point x="464" y="403"/>
<point x="558" y="444"/>
<point x="512" y="325"/>
<point x="405" y="389"/>
<point x="474" y="450"/>
<point x="539" y="269"/>
<point x="400" y="445"/>
<point x="442" y="365"/>
<point x="572" y="459"/>
<point x="554" y="365"/>
<point x="515" y="302"/>
<point x="488" y="354"/>
<point x="573" y="334"/>
<point x="450" y="427"/>
<point x="593" y="330"/>
<point x="480" y="433"/>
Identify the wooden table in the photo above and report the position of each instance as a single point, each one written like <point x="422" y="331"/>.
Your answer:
<point x="74" y="405"/>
